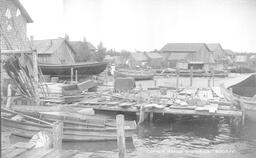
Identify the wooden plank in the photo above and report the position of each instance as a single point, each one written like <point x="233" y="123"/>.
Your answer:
<point x="68" y="153"/>
<point x="14" y="153"/>
<point x="36" y="153"/>
<point x="120" y="136"/>
<point x="53" y="154"/>
<point x="35" y="75"/>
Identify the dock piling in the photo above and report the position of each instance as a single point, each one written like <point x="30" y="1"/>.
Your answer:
<point x="57" y="134"/>
<point x="71" y="74"/>
<point x="9" y="96"/>
<point x="120" y="136"/>
<point x="177" y="78"/>
<point x="191" y="76"/>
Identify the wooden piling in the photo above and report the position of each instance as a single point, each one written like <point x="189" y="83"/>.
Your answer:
<point x="177" y="78"/>
<point x="212" y="77"/>
<point x="120" y="136"/>
<point x="9" y="96"/>
<point x="151" y="116"/>
<point x="191" y="76"/>
<point x="57" y="135"/>
<point x="76" y="77"/>
<point x="36" y="79"/>
<point x="71" y="75"/>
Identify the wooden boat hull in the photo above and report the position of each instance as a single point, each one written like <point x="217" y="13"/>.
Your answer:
<point x="249" y="108"/>
<point x="82" y="68"/>
<point x="27" y="130"/>
<point x="136" y="76"/>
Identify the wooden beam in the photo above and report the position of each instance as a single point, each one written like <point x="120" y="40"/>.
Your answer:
<point x="9" y="96"/>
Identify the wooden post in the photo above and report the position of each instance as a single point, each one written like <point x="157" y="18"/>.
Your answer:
<point x="9" y="96"/>
<point x="177" y="78"/>
<point x="155" y="82"/>
<point x="212" y="77"/>
<point x="76" y="77"/>
<point x="71" y="75"/>
<point x="36" y="79"/>
<point x="57" y="135"/>
<point x="151" y="116"/>
<point x="120" y="136"/>
<point x="191" y="76"/>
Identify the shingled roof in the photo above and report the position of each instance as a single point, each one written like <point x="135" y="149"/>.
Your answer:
<point x="213" y="46"/>
<point x="152" y="55"/>
<point x="22" y="11"/>
<point x="47" y="46"/>
<point x="139" y="56"/>
<point x="183" y="47"/>
<point x="81" y="50"/>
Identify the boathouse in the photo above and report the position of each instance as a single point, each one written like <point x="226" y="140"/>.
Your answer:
<point x="154" y="59"/>
<point x="54" y="51"/>
<point x="189" y="53"/>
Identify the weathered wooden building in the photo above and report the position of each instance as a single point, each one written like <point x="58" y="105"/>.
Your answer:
<point x="154" y="59"/>
<point x="197" y="55"/>
<point x="83" y="50"/>
<point x="13" y="32"/>
<point x="219" y="55"/>
<point x="54" y="51"/>
<point x="13" y="25"/>
<point x="137" y="59"/>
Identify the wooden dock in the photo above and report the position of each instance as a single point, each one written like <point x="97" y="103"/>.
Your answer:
<point x="174" y="111"/>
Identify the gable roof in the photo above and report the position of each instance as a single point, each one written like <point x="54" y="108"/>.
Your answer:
<point x="139" y="56"/>
<point x="229" y="52"/>
<point x="90" y="46"/>
<point x="47" y="46"/>
<point x="183" y="47"/>
<point x="153" y="55"/>
<point x="80" y="49"/>
<point x="213" y="46"/>
<point x="22" y="11"/>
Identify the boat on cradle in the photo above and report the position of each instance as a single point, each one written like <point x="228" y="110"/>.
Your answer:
<point x="137" y="75"/>
<point x="242" y="91"/>
<point x="87" y="68"/>
<point x="24" y="125"/>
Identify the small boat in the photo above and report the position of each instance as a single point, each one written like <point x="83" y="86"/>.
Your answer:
<point x="137" y="75"/>
<point x="88" y="68"/>
<point x="24" y="125"/>
<point x="242" y="91"/>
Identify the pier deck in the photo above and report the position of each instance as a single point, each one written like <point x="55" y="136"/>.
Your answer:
<point x="174" y="111"/>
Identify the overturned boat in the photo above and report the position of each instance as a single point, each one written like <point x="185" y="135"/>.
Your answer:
<point x="242" y="91"/>
<point x="25" y="125"/>
<point x="87" y="68"/>
<point x="137" y="75"/>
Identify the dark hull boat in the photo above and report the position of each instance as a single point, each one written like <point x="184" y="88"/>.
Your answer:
<point x="242" y="91"/>
<point x="89" y="130"/>
<point x="89" y="68"/>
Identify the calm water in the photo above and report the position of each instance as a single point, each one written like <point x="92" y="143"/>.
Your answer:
<point x="188" y="138"/>
<point x="176" y="137"/>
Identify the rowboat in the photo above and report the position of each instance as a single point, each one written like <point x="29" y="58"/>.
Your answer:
<point x="242" y="92"/>
<point x="137" y="75"/>
<point x="86" y="130"/>
<point x="88" y="68"/>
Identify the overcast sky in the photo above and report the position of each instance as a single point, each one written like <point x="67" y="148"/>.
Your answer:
<point x="146" y="24"/>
